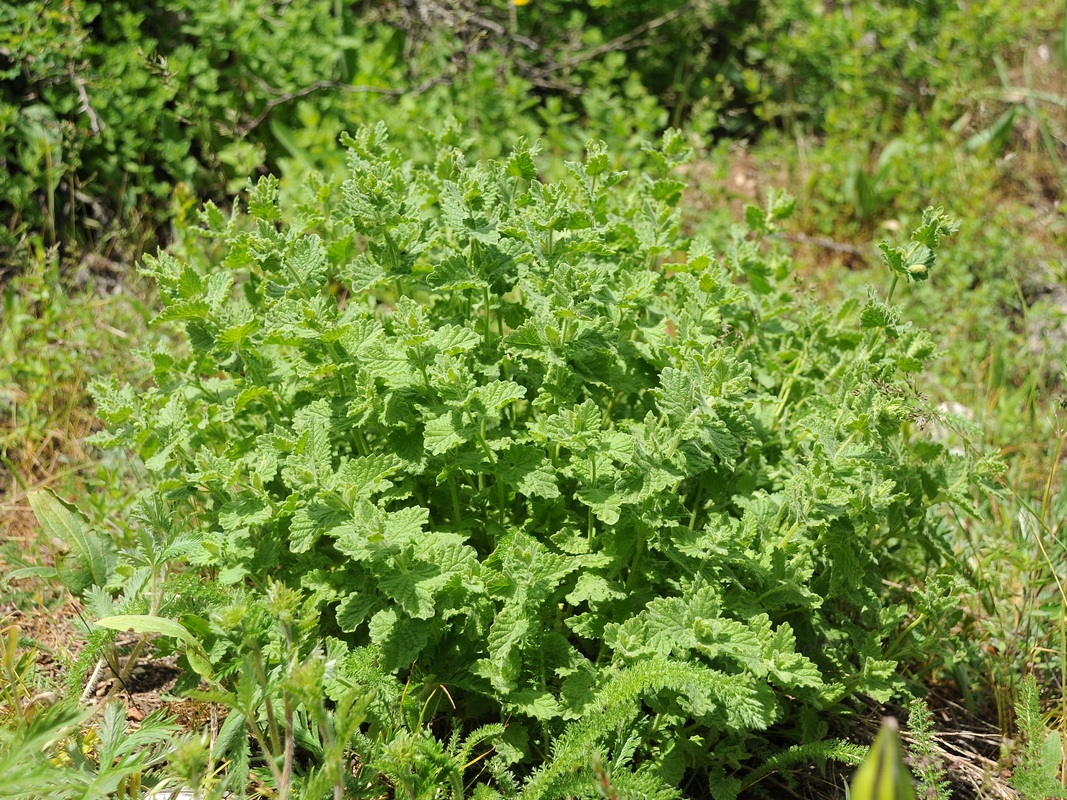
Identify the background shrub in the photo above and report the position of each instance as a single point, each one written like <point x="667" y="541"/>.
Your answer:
<point x="106" y="108"/>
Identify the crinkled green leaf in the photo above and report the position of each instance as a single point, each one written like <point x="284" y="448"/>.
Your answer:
<point x="446" y="431"/>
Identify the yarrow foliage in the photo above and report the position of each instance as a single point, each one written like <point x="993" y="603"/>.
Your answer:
<point x="623" y="492"/>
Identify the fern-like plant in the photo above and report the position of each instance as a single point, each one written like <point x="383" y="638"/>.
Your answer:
<point x="930" y="774"/>
<point x="1036" y="775"/>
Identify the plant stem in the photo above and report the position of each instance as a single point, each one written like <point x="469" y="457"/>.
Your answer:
<point x="892" y="288"/>
<point x="457" y="514"/>
<point x="290" y="748"/>
<point x="636" y="562"/>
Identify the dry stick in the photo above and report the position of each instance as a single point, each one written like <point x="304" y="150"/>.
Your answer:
<point x="320" y="85"/>
<point x="93" y="680"/>
<point x="213" y="727"/>
<point x="624" y="42"/>
<point x="470" y="16"/>
<point x="14" y="500"/>
<point x="473" y="16"/>
<point x="94" y="121"/>
<point x="627" y="41"/>
<point x="541" y="75"/>
<point x="121" y="677"/>
<point x="462" y="17"/>
<point x="826" y="242"/>
<point x="969" y="766"/>
<point x="975" y="769"/>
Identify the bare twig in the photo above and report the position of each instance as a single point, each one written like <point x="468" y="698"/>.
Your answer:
<point x="626" y="41"/>
<point x="90" y="687"/>
<point x="86" y="107"/>
<point x="318" y="86"/>
<point x="827" y="243"/>
<point x="121" y="677"/>
<point x="964" y="751"/>
<point x="469" y="15"/>
<point x="468" y="21"/>
<point x="541" y="75"/>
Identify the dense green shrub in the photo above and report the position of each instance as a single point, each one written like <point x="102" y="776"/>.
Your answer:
<point x="861" y="68"/>
<point x="526" y="445"/>
<point x="106" y="107"/>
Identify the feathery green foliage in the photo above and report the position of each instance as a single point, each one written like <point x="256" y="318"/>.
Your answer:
<point x="1036" y="776"/>
<point x="929" y="767"/>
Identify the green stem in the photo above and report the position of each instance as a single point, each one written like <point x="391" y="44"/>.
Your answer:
<point x="420" y="354"/>
<point x="845" y="444"/>
<point x="480" y="436"/>
<point x="789" y="534"/>
<point x="501" y="500"/>
<point x="639" y="548"/>
<point x="261" y="740"/>
<point x="653" y="727"/>
<point x="272" y="720"/>
<point x="457" y="515"/>
<point x="787" y="384"/>
<point x="48" y="168"/>
<point x="290" y="750"/>
<point x="591" y="523"/>
<point x="696" y="506"/>
<point x="892" y="288"/>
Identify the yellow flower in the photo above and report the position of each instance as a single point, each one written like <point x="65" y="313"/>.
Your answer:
<point x="521" y="2"/>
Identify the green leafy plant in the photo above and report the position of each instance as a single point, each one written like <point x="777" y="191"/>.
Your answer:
<point x="1041" y="757"/>
<point x="52" y="748"/>
<point x="930" y="776"/>
<point x="819" y="753"/>
<point x="914" y="261"/>
<point x="82" y="557"/>
<point x="527" y="446"/>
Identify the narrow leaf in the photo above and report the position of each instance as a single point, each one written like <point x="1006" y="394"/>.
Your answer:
<point x="92" y="556"/>
<point x="145" y="623"/>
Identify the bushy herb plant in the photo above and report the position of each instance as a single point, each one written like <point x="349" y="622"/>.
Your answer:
<point x="521" y="453"/>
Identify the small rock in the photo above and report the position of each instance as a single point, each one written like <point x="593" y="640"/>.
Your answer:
<point x="170" y="794"/>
